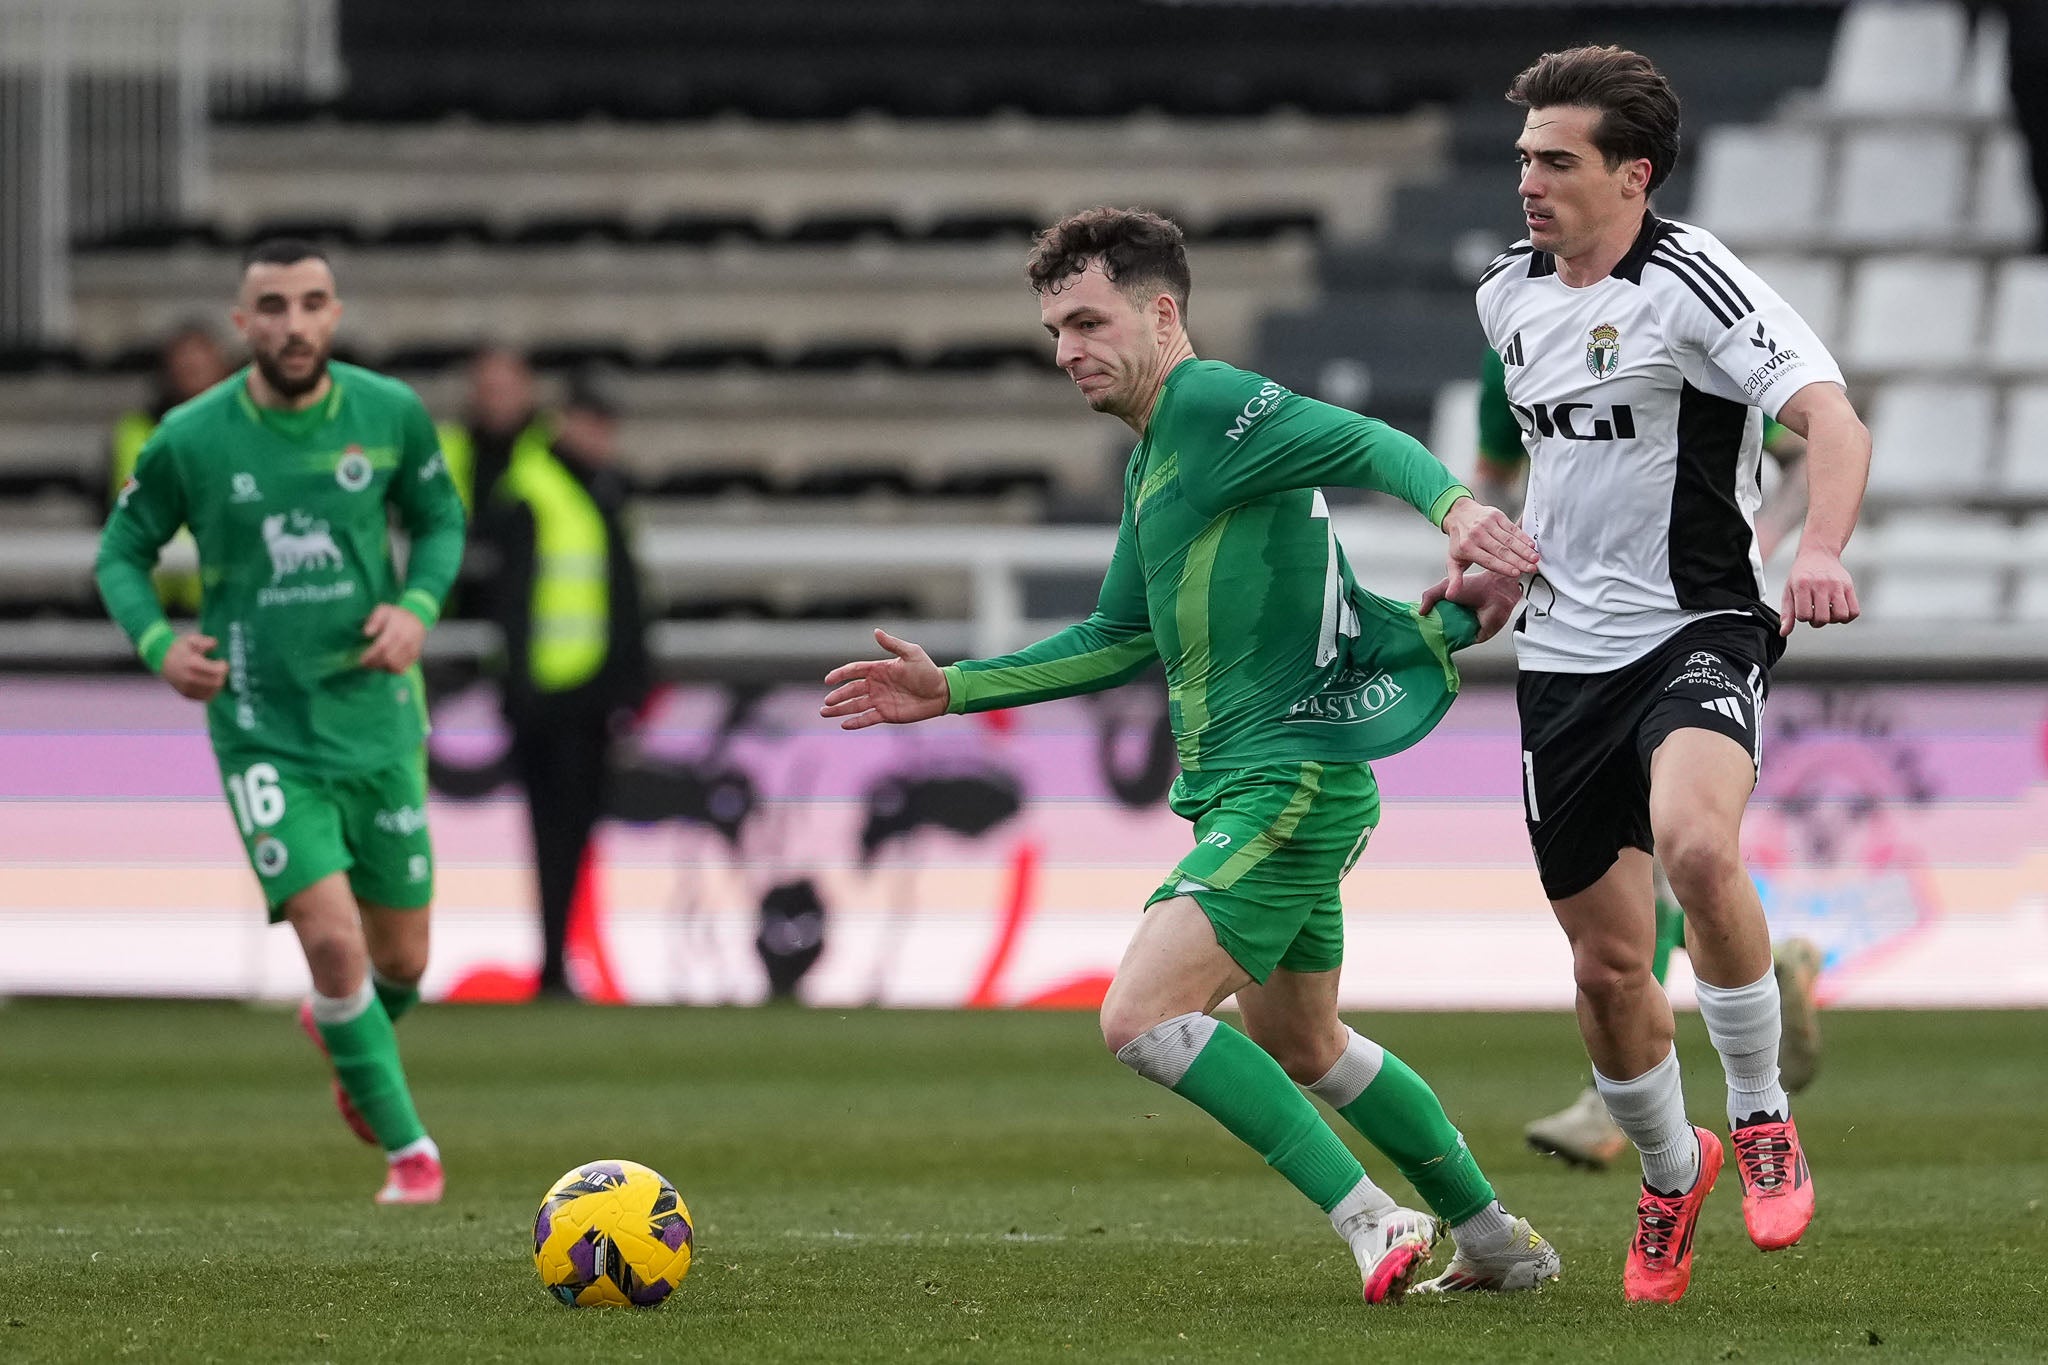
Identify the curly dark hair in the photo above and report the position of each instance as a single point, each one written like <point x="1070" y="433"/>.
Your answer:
<point x="1638" y="108"/>
<point x="1141" y="253"/>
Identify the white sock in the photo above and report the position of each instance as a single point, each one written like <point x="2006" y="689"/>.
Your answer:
<point x="414" y="1148"/>
<point x="1163" y="1053"/>
<point x="1485" y="1232"/>
<point x="1651" y="1110"/>
<point x="1743" y="1022"/>
<point x="1356" y="1067"/>
<point x="339" y="1009"/>
<point x="1366" y="1203"/>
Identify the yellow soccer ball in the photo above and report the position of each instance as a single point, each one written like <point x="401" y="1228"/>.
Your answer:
<point x="612" y="1233"/>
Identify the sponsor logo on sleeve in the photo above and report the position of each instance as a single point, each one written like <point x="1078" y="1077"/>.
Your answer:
<point x="1264" y="401"/>
<point x="1778" y="360"/>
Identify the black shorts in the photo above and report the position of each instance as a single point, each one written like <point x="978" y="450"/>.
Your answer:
<point x="1587" y="739"/>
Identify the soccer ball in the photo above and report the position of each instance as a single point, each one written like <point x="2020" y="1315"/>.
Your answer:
<point x="612" y="1233"/>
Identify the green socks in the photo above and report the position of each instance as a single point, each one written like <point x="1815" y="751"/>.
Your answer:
<point x="395" y="999"/>
<point x="1382" y="1098"/>
<point x="1670" y="934"/>
<point x="1237" y="1083"/>
<point x="365" y="1053"/>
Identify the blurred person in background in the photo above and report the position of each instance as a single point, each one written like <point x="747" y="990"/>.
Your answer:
<point x="190" y="363"/>
<point x="499" y="413"/>
<point x="307" y="657"/>
<point x="1583" y="1133"/>
<point x="2027" y="50"/>
<point x="565" y="593"/>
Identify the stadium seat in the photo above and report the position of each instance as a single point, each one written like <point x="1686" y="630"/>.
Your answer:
<point x="1812" y="285"/>
<point x="1454" y="425"/>
<point x="1914" y="312"/>
<point x="1900" y="187"/>
<point x="1899" y="56"/>
<point x="1762" y="185"/>
<point x="569" y="229"/>
<point x="2004" y="213"/>
<point x="1987" y="90"/>
<point x="438" y="230"/>
<point x="2030" y="596"/>
<point x="2019" y="317"/>
<point x="1930" y="440"/>
<point x="1937" y="565"/>
<point x="2023" y="467"/>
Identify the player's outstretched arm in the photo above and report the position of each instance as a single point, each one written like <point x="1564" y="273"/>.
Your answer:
<point x="898" y="690"/>
<point x="1819" y="589"/>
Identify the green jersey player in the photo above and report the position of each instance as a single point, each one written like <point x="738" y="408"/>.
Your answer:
<point x="1283" y="679"/>
<point x="307" y="657"/>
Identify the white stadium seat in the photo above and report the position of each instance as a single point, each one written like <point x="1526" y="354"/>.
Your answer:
<point x="2030" y="601"/>
<point x="2019" y="317"/>
<point x="1812" y="285"/>
<point x="1986" y="86"/>
<point x="1762" y="184"/>
<point x="1454" y="424"/>
<point x="2023" y="462"/>
<point x="1900" y="187"/>
<point x="1914" y="312"/>
<point x="1939" y="566"/>
<point x="1930" y="441"/>
<point x="2005" y="213"/>
<point x="1899" y="56"/>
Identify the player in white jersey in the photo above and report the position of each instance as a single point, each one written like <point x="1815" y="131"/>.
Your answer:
<point x="1638" y="353"/>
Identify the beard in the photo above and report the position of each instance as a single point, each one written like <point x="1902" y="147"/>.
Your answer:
<point x="271" y="367"/>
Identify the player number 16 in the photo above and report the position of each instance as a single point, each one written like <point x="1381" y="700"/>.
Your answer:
<point x="258" y="800"/>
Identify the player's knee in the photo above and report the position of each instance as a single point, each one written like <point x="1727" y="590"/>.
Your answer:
<point x="1121" y="1025"/>
<point x="401" y="964"/>
<point x="336" y="960"/>
<point x="1700" y="864"/>
<point x="1305" y="1054"/>
<point x="1605" y="970"/>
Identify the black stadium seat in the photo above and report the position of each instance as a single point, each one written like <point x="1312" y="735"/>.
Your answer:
<point x="849" y="355"/>
<point x="838" y="229"/>
<point x="697" y="356"/>
<point x="705" y="229"/>
<point x="571" y="230"/>
<point x="851" y="481"/>
<point x="438" y="230"/>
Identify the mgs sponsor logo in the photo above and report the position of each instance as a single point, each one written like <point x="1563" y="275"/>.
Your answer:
<point x="297" y="544"/>
<point x="271" y="855"/>
<point x="404" y="820"/>
<point x="1351" y="700"/>
<point x="1264" y="401"/>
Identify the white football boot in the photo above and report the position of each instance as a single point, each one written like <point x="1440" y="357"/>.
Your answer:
<point x="1581" y="1133"/>
<point x="1527" y="1261"/>
<point x="1391" y="1251"/>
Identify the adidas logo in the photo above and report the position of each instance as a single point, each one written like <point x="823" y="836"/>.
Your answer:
<point x="1511" y="354"/>
<point x="1728" y="707"/>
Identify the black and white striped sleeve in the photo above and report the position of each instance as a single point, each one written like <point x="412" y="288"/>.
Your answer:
<point x="1757" y="349"/>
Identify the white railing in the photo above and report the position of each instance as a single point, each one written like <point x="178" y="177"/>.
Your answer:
<point x="103" y="116"/>
<point x="1395" y="555"/>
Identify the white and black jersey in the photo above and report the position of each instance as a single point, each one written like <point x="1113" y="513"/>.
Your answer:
<point x="1638" y="399"/>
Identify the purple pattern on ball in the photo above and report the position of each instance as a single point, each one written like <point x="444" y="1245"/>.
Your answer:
<point x="676" y="1234"/>
<point x="543" y="1225"/>
<point x="583" y="1256"/>
<point x="611" y="1169"/>
<point x="649" y="1294"/>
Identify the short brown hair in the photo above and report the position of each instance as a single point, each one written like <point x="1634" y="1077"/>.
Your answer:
<point x="1638" y="108"/>
<point x="1139" y="251"/>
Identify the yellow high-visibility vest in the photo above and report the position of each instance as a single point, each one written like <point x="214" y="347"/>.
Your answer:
<point x="571" y="626"/>
<point x="177" y="589"/>
<point x="458" y="452"/>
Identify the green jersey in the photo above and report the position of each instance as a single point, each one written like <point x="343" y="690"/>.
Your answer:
<point x="1226" y="569"/>
<point x="290" y="511"/>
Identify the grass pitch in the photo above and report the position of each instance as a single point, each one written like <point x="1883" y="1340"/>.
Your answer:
<point x="983" y="1187"/>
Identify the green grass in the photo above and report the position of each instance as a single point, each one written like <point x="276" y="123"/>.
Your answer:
<point x="981" y="1187"/>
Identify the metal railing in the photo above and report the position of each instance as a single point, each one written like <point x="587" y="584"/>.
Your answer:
<point x="103" y="116"/>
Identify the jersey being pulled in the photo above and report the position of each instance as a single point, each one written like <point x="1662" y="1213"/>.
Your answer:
<point x="290" y="510"/>
<point x="1638" y="400"/>
<point x="1226" y="569"/>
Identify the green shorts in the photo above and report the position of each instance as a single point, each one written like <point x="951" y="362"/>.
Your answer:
<point x="299" y="827"/>
<point x="1272" y="843"/>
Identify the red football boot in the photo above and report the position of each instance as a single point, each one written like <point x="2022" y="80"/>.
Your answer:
<point x="1660" y="1258"/>
<point x="1777" y="1190"/>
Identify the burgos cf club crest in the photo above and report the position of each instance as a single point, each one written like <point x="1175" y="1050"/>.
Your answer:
<point x="1603" y="352"/>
